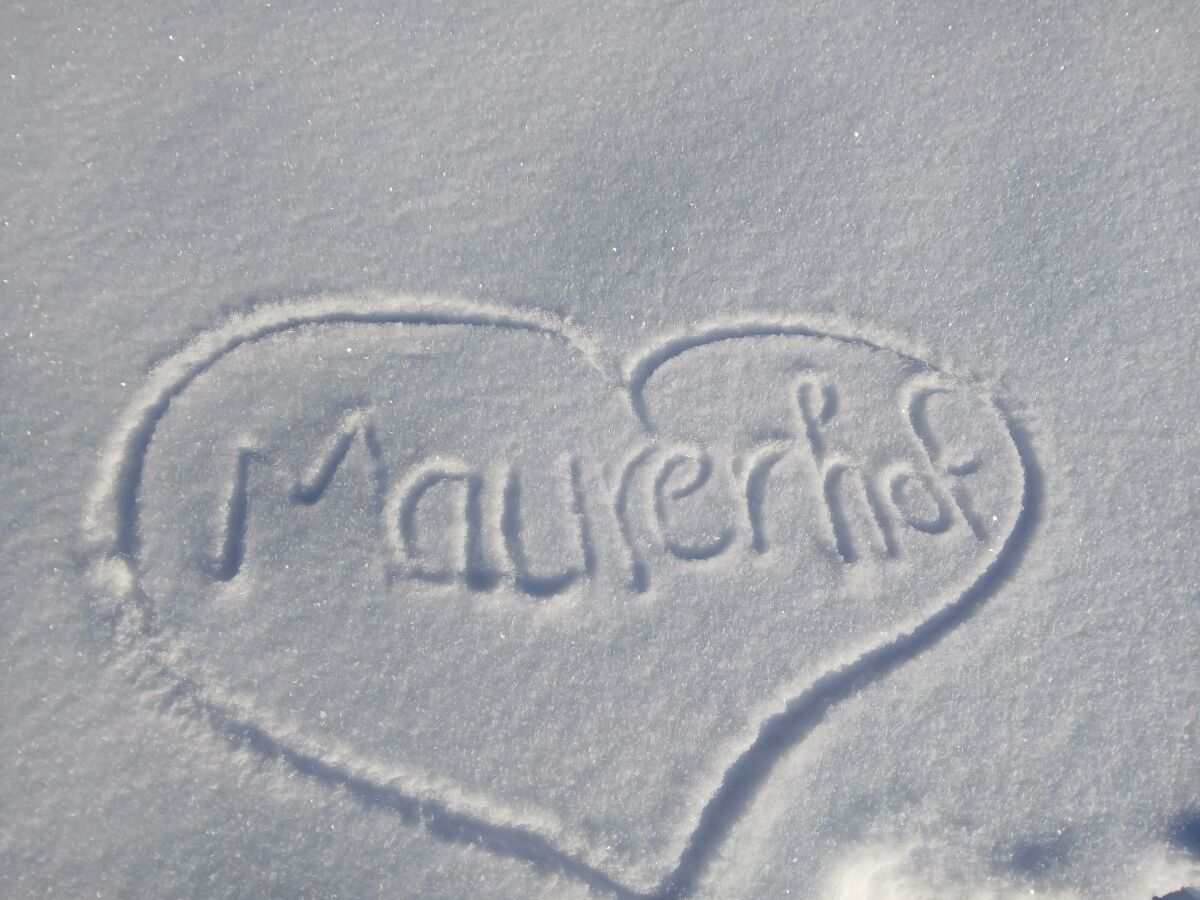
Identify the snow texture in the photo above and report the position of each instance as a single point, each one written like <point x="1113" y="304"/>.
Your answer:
<point x="659" y="450"/>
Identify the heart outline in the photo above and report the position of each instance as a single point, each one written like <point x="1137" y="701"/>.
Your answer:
<point x="110" y="535"/>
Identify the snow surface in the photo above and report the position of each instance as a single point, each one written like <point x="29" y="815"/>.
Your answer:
<point x="689" y="449"/>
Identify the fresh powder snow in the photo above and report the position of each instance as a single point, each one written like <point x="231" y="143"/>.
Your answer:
<point x="645" y="451"/>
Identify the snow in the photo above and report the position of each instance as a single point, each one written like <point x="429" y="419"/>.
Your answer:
<point x="737" y="450"/>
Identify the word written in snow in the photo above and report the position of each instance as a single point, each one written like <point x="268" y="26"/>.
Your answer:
<point x="482" y="513"/>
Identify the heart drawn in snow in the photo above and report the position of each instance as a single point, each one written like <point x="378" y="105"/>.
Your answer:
<point x="452" y="558"/>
